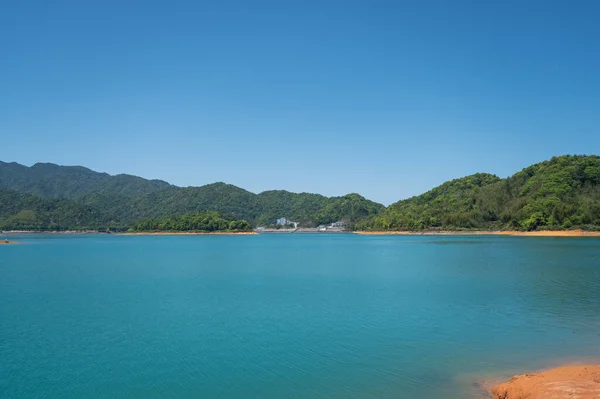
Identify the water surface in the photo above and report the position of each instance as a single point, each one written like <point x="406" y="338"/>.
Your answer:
<point x="306" y="316"/>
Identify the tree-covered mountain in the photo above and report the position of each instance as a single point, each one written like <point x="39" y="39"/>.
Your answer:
<point x="259" y="209"/>
<point x="350" y="208"/>
<point x="22" y="211"/>
<point x="301" y="208"/>
<point x="48" y="180"/>
<point x="563" y="192"/>
<point x="121" y="201"/>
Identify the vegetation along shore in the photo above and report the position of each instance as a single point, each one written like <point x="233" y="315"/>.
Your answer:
<point x="537" y="233"/>
<point x="561" y="195"/>
<point x="186" y="233"/>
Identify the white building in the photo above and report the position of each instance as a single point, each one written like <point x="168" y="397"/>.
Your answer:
<point x="282" y="221"/>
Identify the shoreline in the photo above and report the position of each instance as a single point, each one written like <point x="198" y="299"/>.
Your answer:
<point x="541" y="233"/>
<point x="27" y="232"/>
<point x="571" y="381"/>
<point x="124" y="233"/>
<point x="187" y="233"/>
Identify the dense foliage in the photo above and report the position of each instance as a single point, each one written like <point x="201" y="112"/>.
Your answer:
<point x="118" y="202"/>
<point x="350" y="208"/>
<point x="561" y="193"/>
<point x="48" y="180"/>
<point x="199" y="221"/>
<point x="20" y="211"/>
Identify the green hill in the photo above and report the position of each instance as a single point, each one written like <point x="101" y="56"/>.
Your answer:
<point x="22" y="211"/>
<point x="351" y="208"/>
<point x="48" y="180"/>
<point x="561" y="193"/>
<point x="121" y="201"/>
<point x="259" y="209"/>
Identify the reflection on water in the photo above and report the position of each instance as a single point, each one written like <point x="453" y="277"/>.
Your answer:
<point x="302" y="316"/>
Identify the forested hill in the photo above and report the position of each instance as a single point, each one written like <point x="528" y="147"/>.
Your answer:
<point x="48" y="196"/>
<point x="561" y="193"/>
<point x="48" y="180"/>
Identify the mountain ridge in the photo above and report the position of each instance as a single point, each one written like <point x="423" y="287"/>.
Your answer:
<point x="122" y="200"/>
<point x="166" y="183"/>
<point x="560" y="193"/>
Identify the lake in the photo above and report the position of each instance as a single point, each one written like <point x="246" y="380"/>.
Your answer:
<point x="303" y="316"/>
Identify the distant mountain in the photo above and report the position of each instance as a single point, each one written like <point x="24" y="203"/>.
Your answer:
<point x="22" y="211"/>
<point x="48" y="191"/>
<point x="48" y="180"/>
<point x="563" y="192"/>
<point x="259" y="209"/>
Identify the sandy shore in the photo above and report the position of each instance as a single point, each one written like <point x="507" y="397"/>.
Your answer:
<point x="189" y="233"/>
<point x="8" y="243"/>
<point x="541" y="233"/>
<point x="573" y="382"/>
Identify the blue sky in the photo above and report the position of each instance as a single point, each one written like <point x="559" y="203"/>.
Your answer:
<point x="383" y="98"/>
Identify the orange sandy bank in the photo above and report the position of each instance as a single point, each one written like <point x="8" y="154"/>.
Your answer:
<point x="542" y="233"/>
<point x="555" y="233"/>
<point x="573" y="382"/>
<point x="8" y="243"/>
<point x="192" y="233"/>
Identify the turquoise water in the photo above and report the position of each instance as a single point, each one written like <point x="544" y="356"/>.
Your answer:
<point x="290" y="316"/>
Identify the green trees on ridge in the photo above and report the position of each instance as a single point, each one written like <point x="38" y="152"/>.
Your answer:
<point x="561" y="193"/>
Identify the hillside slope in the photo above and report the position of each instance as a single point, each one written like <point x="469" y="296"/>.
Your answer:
<point x="561" y="193"/>
<point x="47" y="180"/>
<point x="22" y="211"/>
<point x="123" y="200"/>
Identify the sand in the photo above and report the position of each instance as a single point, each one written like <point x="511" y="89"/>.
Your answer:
<point x="573" y="382"/>
<point x="555" y="233"/>
<point x="542" y="233"/>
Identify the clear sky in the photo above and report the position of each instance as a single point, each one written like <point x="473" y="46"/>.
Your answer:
<point x="383" y="98"/>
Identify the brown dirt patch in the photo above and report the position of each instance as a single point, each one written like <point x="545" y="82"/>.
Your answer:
<point x="572" y="382"/>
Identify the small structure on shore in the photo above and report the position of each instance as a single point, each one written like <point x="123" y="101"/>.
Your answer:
<point x="284" y="222"/>
<point x="6" y="241"/>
